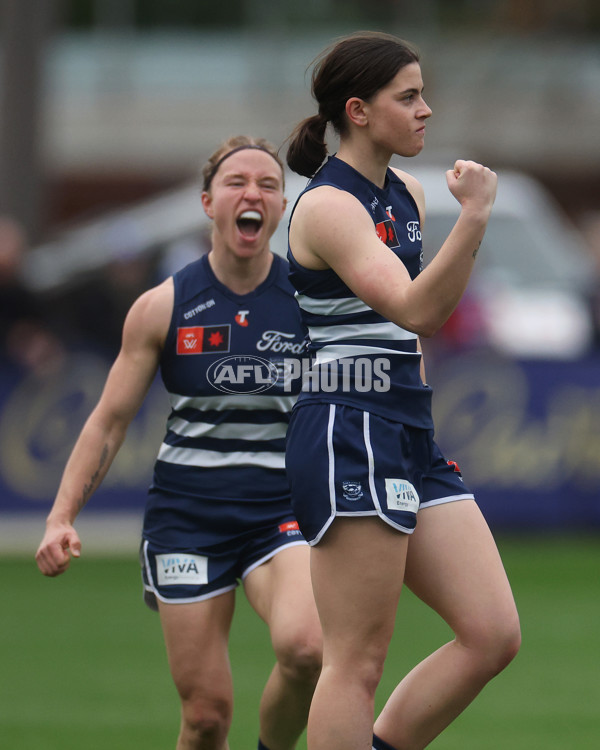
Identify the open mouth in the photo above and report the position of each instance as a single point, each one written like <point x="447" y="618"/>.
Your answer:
<point x="249" y="223"/>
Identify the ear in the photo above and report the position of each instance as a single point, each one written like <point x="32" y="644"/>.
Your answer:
<point x="283" y="207"/>
<point x="355" y="111"/>
<point x="207" y="204"/>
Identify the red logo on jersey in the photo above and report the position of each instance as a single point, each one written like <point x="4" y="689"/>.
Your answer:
<point x="203" y="339"/>
<point x="241" y="318"/>
<point x="387" y="233"/>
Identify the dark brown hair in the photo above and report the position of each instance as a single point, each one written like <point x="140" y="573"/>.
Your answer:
<point x="237" y="143"/>
<point x="358" y="65"/>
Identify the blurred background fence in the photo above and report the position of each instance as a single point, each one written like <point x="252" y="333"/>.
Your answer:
<point x="111" y="105"/>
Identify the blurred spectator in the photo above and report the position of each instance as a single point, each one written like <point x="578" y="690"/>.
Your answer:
<point x="93" y="307"/>
<point x="27" y="340"/>
<point x="94" y="310"/>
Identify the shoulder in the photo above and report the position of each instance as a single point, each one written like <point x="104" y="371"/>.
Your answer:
<point x="150" y="315"/>
<point x="155" y="300"/>
<point x="414" y="187"/>
<point x="331" y="225"/>
<point x="325" y="202"/>
<point x="328" y="216"/>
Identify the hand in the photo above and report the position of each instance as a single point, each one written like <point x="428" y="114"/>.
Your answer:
<point x="60" y="542"/>
<point x="473" y="185"/>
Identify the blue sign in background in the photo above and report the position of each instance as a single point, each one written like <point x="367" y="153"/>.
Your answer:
<point x="526" y="436"/>
<point x="40" y="419"/>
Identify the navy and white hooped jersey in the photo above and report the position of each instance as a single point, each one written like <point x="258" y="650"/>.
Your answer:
<point x="223" y="368"/>
<point x="361" y="358"/>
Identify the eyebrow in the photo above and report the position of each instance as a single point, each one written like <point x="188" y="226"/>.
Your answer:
<point x="412" y="91"/>
<point x="234" y="175"/>
<point x="245" y="176"/>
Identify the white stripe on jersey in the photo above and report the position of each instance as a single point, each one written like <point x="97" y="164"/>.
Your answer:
<point x="331" y="353"/>
<point x="376" y="331"/>
<point x="217" y="402"/>
<point x="218" y="460"/>
<point x="227" y="431"/>
<point x="331" y="305"/>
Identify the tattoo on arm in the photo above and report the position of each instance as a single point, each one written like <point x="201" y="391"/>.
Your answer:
<point x="476" y="250"/>
<point x="90" y="486"/>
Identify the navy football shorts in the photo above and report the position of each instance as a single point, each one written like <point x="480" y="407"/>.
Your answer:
<point x="226" y="541"/>
<point x="343" y="461"/>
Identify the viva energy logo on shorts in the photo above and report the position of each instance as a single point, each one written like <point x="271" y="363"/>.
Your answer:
<point x="178" y="569"/>
<point x="242" y="374"/>
<point x="401" y="495"/>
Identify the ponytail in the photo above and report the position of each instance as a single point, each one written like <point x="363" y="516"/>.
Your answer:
<point x="307" y="149"/>
<point x="359" y="65"/>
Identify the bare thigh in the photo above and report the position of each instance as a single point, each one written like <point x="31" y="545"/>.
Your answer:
<point x="280" y="591"/>
<point x="358" y="571"/>
<point x="197" y="637"/>
<point x="454" y="566"/>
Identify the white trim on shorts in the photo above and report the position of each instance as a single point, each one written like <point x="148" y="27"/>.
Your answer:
<point x="447" y="499"/>
<point x="371" y="462"/>
<point x="151" y="586"/>
<point x="271" y="554"/>
<point x="331" y="476"/>
<point x="374" y="495"/>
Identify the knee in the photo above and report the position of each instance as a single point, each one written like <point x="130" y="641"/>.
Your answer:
<point x="206" y="719"/>
<point x="368" y="674"/>
<point x="497" y="643"/>
<point x="358" y="664"/>
<point x="508" y="644"/>
<point x="300" y="657"/>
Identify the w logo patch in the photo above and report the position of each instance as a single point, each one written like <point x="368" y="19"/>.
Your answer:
<point x="203" y="339"/>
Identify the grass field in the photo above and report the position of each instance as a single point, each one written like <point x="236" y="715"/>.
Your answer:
<point x="82" y="663"/>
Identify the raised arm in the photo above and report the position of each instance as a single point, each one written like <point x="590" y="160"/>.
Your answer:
<point x="126" y="386"/>
<point x="330" y="228"/>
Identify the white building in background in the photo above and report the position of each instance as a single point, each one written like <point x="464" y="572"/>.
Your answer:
<point x="160" y="101"/>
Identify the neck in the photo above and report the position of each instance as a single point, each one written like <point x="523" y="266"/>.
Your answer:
<point x="366" y="159"/>
<point x="240" y="275"/>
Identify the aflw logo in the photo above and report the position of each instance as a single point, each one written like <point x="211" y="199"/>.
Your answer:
<point x="203" y="339"/>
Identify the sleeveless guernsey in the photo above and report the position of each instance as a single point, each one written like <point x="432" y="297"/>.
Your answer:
<point x="362" y="359"/>
<point x="223" y="368"/>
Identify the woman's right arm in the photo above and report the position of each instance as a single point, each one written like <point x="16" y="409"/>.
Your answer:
<point x="330" y="228"/>
<point x="126" y="386"/>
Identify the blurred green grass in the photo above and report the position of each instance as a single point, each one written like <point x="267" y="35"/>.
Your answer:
<point x="83" y="665"/>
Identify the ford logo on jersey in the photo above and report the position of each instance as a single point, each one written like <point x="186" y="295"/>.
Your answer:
<point x="242" y="374"/>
